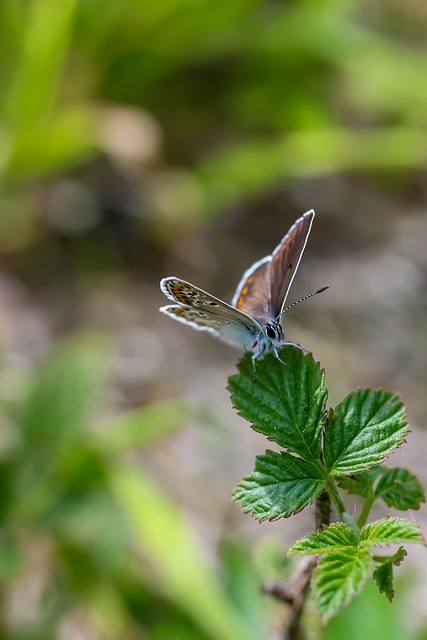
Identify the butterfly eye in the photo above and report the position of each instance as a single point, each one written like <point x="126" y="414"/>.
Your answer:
<point x="270" y="331"/>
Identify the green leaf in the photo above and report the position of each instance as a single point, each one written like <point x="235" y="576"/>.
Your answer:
<point x="400" y="489"/>
<point x="340" y="575"/>
<point x="62" y="395"/>
<point x="383" y="574"/>
<point x="364" y="429"/>
<point x="390" y="531"/>
<point x="45" y="41"/>
<point x="142" y="426"/>
<point x="285" y="402"/>
<point x="331" y="538"/>
<point x="280" y="486"/>
<point x="361" y="484"/>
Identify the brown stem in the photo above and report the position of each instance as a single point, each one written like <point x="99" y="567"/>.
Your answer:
<point x="323" y="510"/>
<point x="294" y="593"/>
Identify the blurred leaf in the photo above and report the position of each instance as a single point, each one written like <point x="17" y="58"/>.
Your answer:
<point x="361" y="484"/>
<point x="252" y="167"/>
<point x="143" y="426"/>
<point x="44" y="40"/>
<point x="365" y="427"/>
<point x="63" y="392"/>
<point x="399" y="488"/>
<point x="163" y="533"/>
<point x="370" y="617"/>
<point x="280" y="486"/>
<point x="285" y="402"/>
<point x="244" y="584"/>
<point x="68" y="138"/>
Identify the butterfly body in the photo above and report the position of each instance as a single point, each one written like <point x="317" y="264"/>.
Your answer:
<point x="253" y="320"/>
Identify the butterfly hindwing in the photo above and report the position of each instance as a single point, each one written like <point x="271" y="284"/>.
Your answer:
<point x="253" y="292"/>
<point x="235" y="333"/>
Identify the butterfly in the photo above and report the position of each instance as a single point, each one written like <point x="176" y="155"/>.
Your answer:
<point x="253" y="320"/>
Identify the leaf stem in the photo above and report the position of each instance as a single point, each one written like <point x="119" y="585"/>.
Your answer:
<point x="332" y="489"/>
<point x="366" y="511"/>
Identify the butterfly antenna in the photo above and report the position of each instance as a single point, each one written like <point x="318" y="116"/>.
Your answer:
<point x="310" y="295"/>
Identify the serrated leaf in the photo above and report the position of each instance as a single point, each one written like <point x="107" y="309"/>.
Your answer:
<point x="383" y="574"/>
<point x="280" y="486"/>
<point x="401" y="489"/>
<point x="331" y="538"/>
<point x="390" y="531"/>
<point x="399" y="557"/>
<point x="361" y="484"/>
<point x="340" y="575"/>
<point x="285" y="402"/>
<point x="364" y="429"/>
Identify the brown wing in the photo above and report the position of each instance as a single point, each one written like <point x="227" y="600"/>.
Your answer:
<point x="285" y="260"/>
<point x="253" y="292"/>
<point x="188" y="295"/>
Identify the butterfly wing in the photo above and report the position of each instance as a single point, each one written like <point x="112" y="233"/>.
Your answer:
<point x="207" y="313"/>
<point x="253" y="292"/>
<point x="264" y="287"/>
<point x="230" y="331"/>
<point x="285" y="260"/>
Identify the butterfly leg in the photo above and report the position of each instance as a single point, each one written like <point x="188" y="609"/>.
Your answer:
<point x="276" y="353"/>
<point x="254" y="366"/>
<point x="298" y="346"/>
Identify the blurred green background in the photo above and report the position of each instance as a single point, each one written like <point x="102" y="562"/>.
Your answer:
<point x="141" y="139"/>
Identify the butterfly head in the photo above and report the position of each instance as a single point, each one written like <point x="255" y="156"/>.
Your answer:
<point x="269" y="338"/>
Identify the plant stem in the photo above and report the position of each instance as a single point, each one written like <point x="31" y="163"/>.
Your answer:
<point x="294" y="595"/>
<point x="365" y="511"/>
<point x="332" y="489"/>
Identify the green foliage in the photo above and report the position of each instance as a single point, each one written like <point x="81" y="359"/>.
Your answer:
<point x="363" y="429"/>
<point x="347" y="559"/>
<point x="286" y="402"/>
<point x="280" y="486"/>
<point x="339" y="577"/>
<point x="397" y="487"/>
<point x="118" y="548"/>
<point x="383" y="574"/>
<point x="370" y="616"/>
<point x="267" y="76"/>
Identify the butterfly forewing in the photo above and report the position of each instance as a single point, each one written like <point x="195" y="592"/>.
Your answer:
<point x="285" y="260"/>
<point x="188" y="295"/>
